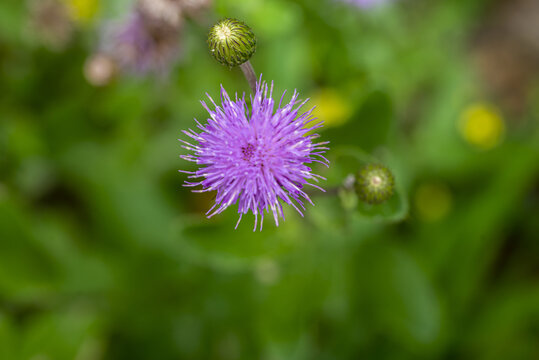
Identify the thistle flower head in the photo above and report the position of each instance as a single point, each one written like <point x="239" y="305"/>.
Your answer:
<point x="366" y="4"/>
<point x="195" y="7"/>
<point x="231" y="42"/>
<point x="258" y="158"/>
<point x="50" y="22"/>
<point x="167" y="11"/>
<point x="140" y="45"/>
<point x="374" y="183"/>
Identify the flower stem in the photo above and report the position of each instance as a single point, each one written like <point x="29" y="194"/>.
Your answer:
<point x="250" y="75"/>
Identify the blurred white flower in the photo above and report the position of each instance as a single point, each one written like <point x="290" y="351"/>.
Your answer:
<point x="99" y="69"/>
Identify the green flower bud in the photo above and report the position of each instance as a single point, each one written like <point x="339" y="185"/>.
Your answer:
<point x="231" y="42"/>
<point x="374" y="183"/>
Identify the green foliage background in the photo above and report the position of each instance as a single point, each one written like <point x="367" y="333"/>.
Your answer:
<point x="104" y="255"/>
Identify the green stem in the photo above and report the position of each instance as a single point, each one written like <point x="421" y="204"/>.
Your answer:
<point x="250" y="75"/>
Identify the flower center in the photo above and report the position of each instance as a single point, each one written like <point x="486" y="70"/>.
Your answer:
<point x="223" y="32"/>
<point x="376" y="181"/>
<point x="248" y="151"/>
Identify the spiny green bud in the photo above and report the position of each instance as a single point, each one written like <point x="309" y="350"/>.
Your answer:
<point x="374" y="183"/>
<point x="231" y="42"/>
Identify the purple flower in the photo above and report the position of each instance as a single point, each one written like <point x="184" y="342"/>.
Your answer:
<point x="140" y="45"/>
<point x="366" y="4"/>
<point x="256" y="158"/>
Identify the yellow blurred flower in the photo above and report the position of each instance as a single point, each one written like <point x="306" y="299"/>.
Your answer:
<point x="482" y="125"/>
<point x="433" y="201"/>
<point x="331" y="107"/>
<point x="83" y="11"/>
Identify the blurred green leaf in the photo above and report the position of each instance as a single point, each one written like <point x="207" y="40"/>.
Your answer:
<point x="64" y="335"/>
<point x="217" y="243"/>
<point x="369" y="127"/>
<point x="401" y="296"/>
<point x="375" y="119"/>
<point x="507" y="327"/>
<point x="8" y="338"/>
